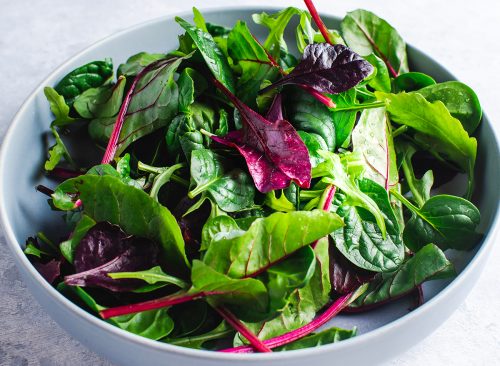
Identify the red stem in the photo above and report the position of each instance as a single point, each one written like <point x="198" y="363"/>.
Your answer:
<point x="64" y="173"/>
<point x="244" y="331"/>
<point x="296" y="334"/>
<point x="110" y="152"/>
<point x="155" y="304"/>
<point x="317" y="19"/>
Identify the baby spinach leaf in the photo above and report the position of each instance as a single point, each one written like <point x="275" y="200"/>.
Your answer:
<point x="448" y="221"/>
<point x="327" y="336"/>
<point x="218" y="227"/>
<point x="335" y="172"/>
<point x="344" y="120"/>
<point x="308" y="115"/>
<point x="459" y="99"/>
<point x="327" y="69"/>
<point x="215" y="59"/>
<point x="420" y="188"/>
<point x="429" y="263"/>
<point x="268" y="240"/>
<point x="411" y="81"/>
<point x="232" y="291"/>
<point x="57" y="152"/>
<point x="366" y="33"/>
<point x="442" y="133"/>
<point x="58" y="107"/>
<point x="253" y="60"/>
<point x="232" y="191"/>
<point x="101" y="102"/>
<point x="274" y="153"/>
<point x="68" y="247"/>
<point x="153" y="324"/>
<point x="372" y="139"/>
<point x="107" y="198"/>
<point x="91" y="75"/>
<point x="361" y="239"/>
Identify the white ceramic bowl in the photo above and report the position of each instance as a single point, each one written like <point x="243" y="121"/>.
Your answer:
<point x="383" y="333"/>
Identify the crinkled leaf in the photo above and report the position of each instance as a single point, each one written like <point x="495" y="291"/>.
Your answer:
<point x="91" y="75"/>
<point x="232" y="191"/>
<point x="447" y="221"/>
<point x="327" y="69"/>
<point x="107" y="198"/>
<point x="268" y="240"/>
<point x="274" y="153"/>
<point x="366" y="33"/>
<point x="361" y="240"/>
<point x="429" y="263"/>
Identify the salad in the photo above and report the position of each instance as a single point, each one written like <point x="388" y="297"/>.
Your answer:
<point x="248" y="190"/>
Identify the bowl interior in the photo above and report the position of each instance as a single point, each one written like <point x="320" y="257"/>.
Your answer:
<point x="26" y="211"/>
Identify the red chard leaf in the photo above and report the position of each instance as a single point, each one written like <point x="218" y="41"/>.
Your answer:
<point x="106" y="249"/>
<point x="50" y="270"/>
<point x="327" y="69"/>
<point x="274" y="152"/>
<point x="275" y="112"/>
<point x="345" y="276"/>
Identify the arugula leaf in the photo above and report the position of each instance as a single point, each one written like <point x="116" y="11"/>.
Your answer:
<point x="107" y="198"/>
<point x="459" y="99"/>
<point x="101" y="102"/>
<point x="372" y="139"/>
<point x="411" y="81"/>
<point x="68" y="247"/>
<point x="153" y="324"/>
<point x="335" y="172"/>
<point x="328" y="336"/>
<point x="58" y="107"/>
<point x="281" y="204"/>
<point x="420" y="188"/>
<point x="327" y="69"/>
<point x="215" y="59"/>
<point x="361" y="240"/>
<point x="448" y="221"/>
<point x="57" y="152"/>
<point x="429" y="263"/>
<point x="442" y="133"/>
<point x="91" y="75"/>
<point x="253" y="60"/>
<point x="274" y="153"/>
<point x="266" y="242"/>
<point x="152" y="276"/>
<point x="232" y="191"/>
<point x="366" y="33"/>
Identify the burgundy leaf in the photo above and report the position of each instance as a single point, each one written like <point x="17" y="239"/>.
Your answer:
<point x="345" y="277"/>
<point x="50" y="270"/>
<point x="274" y="152"/>
<point x="275" y="112"/>
<point x="327" y="69"/>
<point x="106" y="249"/>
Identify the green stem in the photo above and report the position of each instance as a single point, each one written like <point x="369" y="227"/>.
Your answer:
<point x="162" y="178"/>
<point x="413" y="208"/>
<point x="358" y="107"/>
<point x="365" y="93"/>
<point x="410" y="180"/>
<point x="148" y="168"/>
<point x="400" y="130"/>
<point x="163" y="278"/>
<point x="310" y="194"/>
<point x="200" y="189"/>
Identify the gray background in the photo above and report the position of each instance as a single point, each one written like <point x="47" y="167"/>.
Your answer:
<point x="36" y="36"/>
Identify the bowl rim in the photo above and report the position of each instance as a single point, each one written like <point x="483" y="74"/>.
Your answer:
<point x="16" y="250"/>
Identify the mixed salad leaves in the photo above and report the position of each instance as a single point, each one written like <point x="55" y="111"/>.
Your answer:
<point x="246" y="196"/>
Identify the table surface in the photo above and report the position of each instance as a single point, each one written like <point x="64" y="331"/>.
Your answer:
<point x="37" y="36"/>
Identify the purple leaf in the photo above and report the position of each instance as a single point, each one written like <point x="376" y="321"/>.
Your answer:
<point x="345" y="277"/>
<point x="327" y="69"/>
<point x="275" y="112"/>
<point x="106" y="249"/>
<point x="274" y="152"/>
<point x="50" y="270"/>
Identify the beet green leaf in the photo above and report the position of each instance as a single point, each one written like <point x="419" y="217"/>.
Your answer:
<point x="327" y="336"/>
